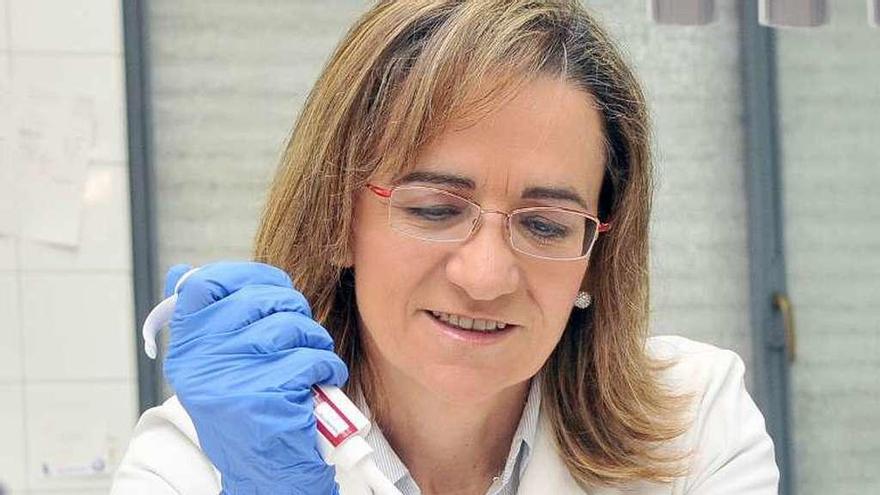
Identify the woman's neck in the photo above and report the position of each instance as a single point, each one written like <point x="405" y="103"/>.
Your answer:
<point x="448" y="447"/>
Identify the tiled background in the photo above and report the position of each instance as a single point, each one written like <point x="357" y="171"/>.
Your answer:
<point x="67" y="380"/>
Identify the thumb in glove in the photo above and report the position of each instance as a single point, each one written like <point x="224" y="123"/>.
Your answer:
<point x="173" y="276"/>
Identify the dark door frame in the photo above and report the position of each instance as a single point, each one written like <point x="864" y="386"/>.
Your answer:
<point x="767" y="281"/>
<point x="137" y="90"/>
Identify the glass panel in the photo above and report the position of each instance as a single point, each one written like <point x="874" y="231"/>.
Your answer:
<point x="829" y="97"/>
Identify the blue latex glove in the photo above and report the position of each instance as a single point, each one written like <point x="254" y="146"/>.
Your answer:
<point x="243" y="354"/>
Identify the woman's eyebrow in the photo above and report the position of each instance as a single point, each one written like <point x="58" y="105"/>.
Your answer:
<point x="440" y="179"/>
<point x="563" y="193"/>
<point x="465" y="183"/>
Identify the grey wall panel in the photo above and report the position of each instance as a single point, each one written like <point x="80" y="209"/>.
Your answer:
<point x="228" y="79"/>
<point x="699" y="245"/>
<point x="830" y="120"/>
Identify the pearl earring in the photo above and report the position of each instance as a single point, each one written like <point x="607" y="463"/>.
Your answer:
<point x="583" y="300"/>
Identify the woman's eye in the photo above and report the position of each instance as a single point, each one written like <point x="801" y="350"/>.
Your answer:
<point x="544" y="229"/>
<point x="439" y="212"/>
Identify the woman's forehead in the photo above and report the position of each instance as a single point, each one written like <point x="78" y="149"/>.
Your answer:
<point x="544" y="140"/>
<point x="548" y="135"/>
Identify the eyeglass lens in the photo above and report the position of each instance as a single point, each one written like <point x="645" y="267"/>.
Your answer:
<point x="434" y="215"/>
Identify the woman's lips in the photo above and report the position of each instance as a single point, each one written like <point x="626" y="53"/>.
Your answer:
<point x="469" y="336"/>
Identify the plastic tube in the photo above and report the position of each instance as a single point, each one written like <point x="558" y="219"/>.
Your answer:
<point x="342" y="426"/>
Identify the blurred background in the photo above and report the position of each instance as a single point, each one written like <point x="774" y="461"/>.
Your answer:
<point x="134" y="136"/>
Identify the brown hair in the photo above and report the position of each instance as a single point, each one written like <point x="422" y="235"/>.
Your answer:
<point x="406" y="69"/>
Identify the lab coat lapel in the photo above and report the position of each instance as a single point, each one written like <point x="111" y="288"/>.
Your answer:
<point x="546" y="472"/>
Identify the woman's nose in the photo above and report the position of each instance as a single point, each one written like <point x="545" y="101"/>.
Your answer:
<point x="485" y="265"/>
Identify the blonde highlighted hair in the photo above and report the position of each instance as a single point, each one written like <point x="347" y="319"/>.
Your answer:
<point x="404" y="71"/>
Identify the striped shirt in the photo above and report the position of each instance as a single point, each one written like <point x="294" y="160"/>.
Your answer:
<point x="506" y="483"/>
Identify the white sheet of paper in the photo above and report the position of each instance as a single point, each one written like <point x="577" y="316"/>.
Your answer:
<point x="51" y="139"/>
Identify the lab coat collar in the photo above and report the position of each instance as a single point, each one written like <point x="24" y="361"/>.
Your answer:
<point x="545" y="473"/>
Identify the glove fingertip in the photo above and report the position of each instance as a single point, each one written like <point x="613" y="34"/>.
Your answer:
<point x="338" y="373"/>
<point x="173" y="275"/>
<point x="326" y="368"/>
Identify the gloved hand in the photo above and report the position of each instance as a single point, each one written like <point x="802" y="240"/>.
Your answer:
<point x="242" y="356"/>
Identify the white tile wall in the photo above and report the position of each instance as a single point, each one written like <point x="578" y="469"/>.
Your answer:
<point x="77" y="326"/>
<point x="8" y="208"/>
<point x="95" y="424"/>
<point x="7" y="202"/>
<point x="105" y="219"/>
<point x="8" y="259"/>
<point x="10" y="330"/>
<point x="12" y="438"/>
<point x="4" y="25"/>
<point x="98" y="78"/>
<point x="67" y="492"/>
<point x="65" y="26"/>
<point x="5" y="74"/>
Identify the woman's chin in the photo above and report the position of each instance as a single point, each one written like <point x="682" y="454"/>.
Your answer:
<point x="464" y="385"/>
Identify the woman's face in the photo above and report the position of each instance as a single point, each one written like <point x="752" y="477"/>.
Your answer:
<point x="549" y="136"/>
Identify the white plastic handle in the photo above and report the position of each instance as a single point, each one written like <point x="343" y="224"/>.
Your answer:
<point x="159" y="317"/>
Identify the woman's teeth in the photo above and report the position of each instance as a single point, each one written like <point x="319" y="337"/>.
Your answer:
<point x="469" y="323"/>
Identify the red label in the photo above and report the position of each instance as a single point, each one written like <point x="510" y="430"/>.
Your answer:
<point x="334" y="425"/>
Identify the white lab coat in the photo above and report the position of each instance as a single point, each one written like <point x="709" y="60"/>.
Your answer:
<point x="734" y="454"/>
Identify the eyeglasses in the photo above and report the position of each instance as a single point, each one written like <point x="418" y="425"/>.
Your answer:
<point x="545" y="232"/>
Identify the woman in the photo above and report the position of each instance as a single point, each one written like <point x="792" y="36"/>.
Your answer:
<point x="462" y="211"/>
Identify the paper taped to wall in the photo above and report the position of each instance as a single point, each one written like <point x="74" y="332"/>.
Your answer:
<point x="51" y="138"/>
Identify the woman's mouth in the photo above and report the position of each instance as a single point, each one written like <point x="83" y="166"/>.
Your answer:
<point x="470" y="330"/>
<point x="465" y="323"/>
